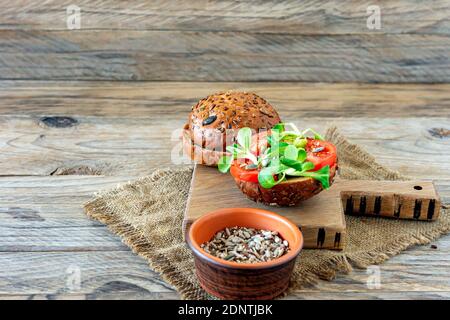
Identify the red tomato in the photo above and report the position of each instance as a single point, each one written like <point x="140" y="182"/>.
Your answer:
<point x="241" y="173"/>
<point x="325" y="153"/>
<point x="259" y="142"/>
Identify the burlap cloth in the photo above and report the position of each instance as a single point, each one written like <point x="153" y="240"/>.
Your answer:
<point x="147" y="214"/>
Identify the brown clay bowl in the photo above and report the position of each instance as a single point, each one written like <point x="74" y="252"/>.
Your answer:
<point x="232" y="280"/>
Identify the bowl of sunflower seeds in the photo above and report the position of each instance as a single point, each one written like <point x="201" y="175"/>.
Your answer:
<point x="244" y="253"/>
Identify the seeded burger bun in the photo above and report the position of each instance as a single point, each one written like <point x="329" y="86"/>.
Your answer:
<point x="215" y="120"/>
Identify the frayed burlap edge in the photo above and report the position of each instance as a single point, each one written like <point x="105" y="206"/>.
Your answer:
<point x="380" y="172"/>
<point x="99" y="210"/>
<point x="343" y="262"/>
<point x="362" y="160"/>
<point x="337" y="263"/>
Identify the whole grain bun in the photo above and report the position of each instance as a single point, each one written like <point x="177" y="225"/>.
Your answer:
<point x="200" y="155"/>
<point x="215" y="120"/>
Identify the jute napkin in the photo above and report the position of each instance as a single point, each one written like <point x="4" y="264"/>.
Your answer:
<point x="147" y="215"/>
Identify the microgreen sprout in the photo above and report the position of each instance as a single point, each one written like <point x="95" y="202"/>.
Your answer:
<point x="286" y="156"/>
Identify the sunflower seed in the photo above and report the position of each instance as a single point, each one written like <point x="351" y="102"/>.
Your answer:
<point x="246" y="245"/>
<point x="318" y="149"/>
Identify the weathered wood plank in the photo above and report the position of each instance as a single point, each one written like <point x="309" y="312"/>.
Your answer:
<point x="118" y="291"/>
<point x="40" y="239"/>
<point x="179" y="40"/>
<point x="145" y="99"/>
<point x="53" y="192"/>
<point x="101" y="275"/>
<point x="222" y="56"/>
<point x="53" y="203"/>
<point x="285" y="16"/>
<point x="130" y="146"/>
<point x="44" y="213"/>
<point x="322" y="295"/>
<point x="421" y="272"/>
<point x="421" y="269"/>
<point x="149" y="112"/>
<point x="56" y="201"/>
<point x="371" y="295"/>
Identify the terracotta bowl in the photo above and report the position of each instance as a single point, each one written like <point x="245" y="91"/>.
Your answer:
<point x="232" y="280"/>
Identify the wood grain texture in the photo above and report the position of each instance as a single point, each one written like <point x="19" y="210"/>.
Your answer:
<point x="400" y="199"/>
<point x="110" y="132"/>
<point x="172" y="99"/>
<point x="319" y="231"/>
<point x="285" y="16"/>
<point x="416" y="200"/>
<point x="122" y="275"/>
<point x="222" y="56"/>
<point x="226" y="41"/>
<point x="44" y="214"/>
<point x="101" y="275"/>
<point x="402" y="144"/>
<point x="396" y="123"/>
<point x="149" y="112"/>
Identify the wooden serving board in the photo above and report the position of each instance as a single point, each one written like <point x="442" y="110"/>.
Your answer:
<point x="321" y="218"/>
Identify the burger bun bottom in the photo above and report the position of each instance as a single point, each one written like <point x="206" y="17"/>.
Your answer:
<point x="288" y="193"/>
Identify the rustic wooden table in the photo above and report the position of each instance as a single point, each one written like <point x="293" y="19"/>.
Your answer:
<point x="83" y="110"/>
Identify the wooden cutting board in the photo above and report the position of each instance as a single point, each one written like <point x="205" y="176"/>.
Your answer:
<point x="321" y="218"/>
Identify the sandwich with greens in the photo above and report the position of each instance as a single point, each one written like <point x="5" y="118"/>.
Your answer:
<point x="282" y="166"/>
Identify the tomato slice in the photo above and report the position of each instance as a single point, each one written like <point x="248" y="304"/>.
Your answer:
<point x="243" y="174"/>
<point x="320" y="153"/>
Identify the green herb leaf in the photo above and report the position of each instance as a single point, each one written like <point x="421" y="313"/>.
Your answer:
<point x="275" y="143"/>
<point x="322" y="175"/>
<point x="282" y="146"/>
<point x="266" y="175"/>
<point x="244" y="138"/>
<point x="301" y="155"/>
<point x="239" y="153"/>
<point x="292" y="163"/>
<point x="289" y="124"/>
<point x="300" y="142"/>
<point x="291" y="152"/>
<point x="288" y="136"/>
<point x="224" y="164"/>
<point x="307" y="166"/>
<point x="273" y="139"/>
<point x="281" y="178"/>
<point x="265" y="178"/>
<point x="279" y="127"/>
<point x="318" y="136"/>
